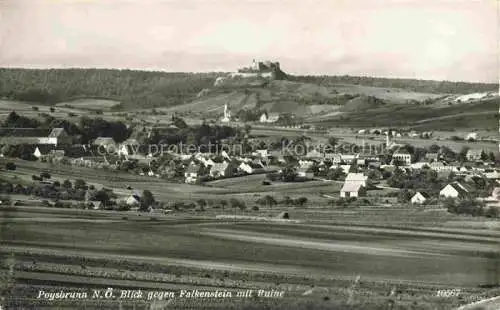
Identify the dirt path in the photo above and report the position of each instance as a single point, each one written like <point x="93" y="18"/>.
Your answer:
<point x="453" y="116"/>
<point x="486" y="304"/>
<point x="334" y="246"/>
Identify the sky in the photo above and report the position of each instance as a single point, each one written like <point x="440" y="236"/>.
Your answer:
<point x="426" y="39"/>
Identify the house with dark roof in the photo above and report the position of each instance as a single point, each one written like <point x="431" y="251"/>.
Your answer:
<point x="223" y="169"/>
<point x="192" y="171"/>
<point x="42" y="150"/>
<point x="18" y="136"/>
<point x="352" y="189"/>
<point x="419" y="198"/>
<point x="431" y="157"/>
<point x="357" y="178"/>
<point x="474" y="154"/>
<point x="402" y="156"/>
<point x="61" y="136"/>
<point x="454" y="190"/>
<point x="104" y="141"/>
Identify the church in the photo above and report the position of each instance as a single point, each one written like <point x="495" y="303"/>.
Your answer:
<point x="227" y="115"/>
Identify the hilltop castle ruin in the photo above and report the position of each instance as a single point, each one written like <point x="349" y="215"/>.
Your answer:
<point x="262" y="69"/>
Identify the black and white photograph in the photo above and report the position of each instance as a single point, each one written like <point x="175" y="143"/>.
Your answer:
<point x="250" y="154"/>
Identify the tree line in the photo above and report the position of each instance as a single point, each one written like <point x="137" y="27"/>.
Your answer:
<point x="86" y="130"/>
<point x="425" y="86"/>
<point x="132" y="88"/>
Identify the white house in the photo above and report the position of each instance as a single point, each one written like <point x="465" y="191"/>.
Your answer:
<point x="356" y="178"/>
<point x="244" y="167"/>
<point x="454" y="190"/>
<point x="351" y="189"/>
<point x="42" y="150"/>
<point x="269" y="117"/>
<point x="441" y="167"/>
<point x="361" y="162"/>
<point x="262" y="153"/>
<point x="133" y="200"/>
<point x="471" y="136"/>
<point x="305" y="163"/>
<point x="37" y="153"/>
<point x="348" y="158"/>
<point x="419" y="198"/>
<point x="334" y="157"/>
<point x="314" y="154"/>
<point x="419" y="165"/>
<point x="345" y="168"/>
<point x="402" y="156"/>
<point x="474" y="154"/>
<point x="220" y="170"/>
<point x="192" y="171"/>
<point x="225" y="155"/>
<point x="305" y="172"/>
<point x="207" y="162"/>
<point x="495" y="194"/>
<point x="493" y="175"/>
<point x="431" y="156"/>
<point x="250" y="167"/>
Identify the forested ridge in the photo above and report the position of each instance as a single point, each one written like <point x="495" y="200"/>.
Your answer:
<point x="423" y="86"/>
<point x="149" y="89"/>
<point x="132" y="88"/>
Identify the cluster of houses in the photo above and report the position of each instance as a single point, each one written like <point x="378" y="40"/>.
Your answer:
<point x="55" y="145"/>
<point x="31" y="136"/>
<point x="355" y="186"/>
<point x="471" y="136"/>
<point x="457" y="190"/>
<point x="202" y="167"/>
<point x="395" y="133"/>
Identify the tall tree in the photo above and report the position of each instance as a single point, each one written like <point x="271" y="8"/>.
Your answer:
<point x="147" y="199"/>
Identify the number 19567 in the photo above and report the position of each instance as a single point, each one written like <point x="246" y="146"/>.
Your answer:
<point x="448" y="293"/>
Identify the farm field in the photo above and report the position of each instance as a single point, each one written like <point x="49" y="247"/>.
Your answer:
<point x="247" y="188"/>
<point x="358" y="139"/>
<point x="463" y="116"/>
<point x="90" y="104"/>
<point x="198" y="252"/>
<point x="26" y="109"/>
<point x="395" y="95"/>
<point x="253" y="183"/>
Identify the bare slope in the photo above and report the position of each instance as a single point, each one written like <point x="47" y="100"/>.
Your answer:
<point x="480" y="115"/>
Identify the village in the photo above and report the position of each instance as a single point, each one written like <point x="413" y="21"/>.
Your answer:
<point x="249" y="155"/>
<point x="371" y="173"/>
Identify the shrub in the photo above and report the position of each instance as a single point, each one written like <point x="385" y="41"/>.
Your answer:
<point x="45" y="175"/>
<point x="10" y="166"/>
<point x="492" y="212"/>
<point x="255" y="208"/>
<point x="469" y="206"/>
<point x="36" y="178"/>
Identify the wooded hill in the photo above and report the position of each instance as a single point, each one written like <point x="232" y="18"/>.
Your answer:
<point x="151" y="89"/>
<point x="134" y="89"/>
